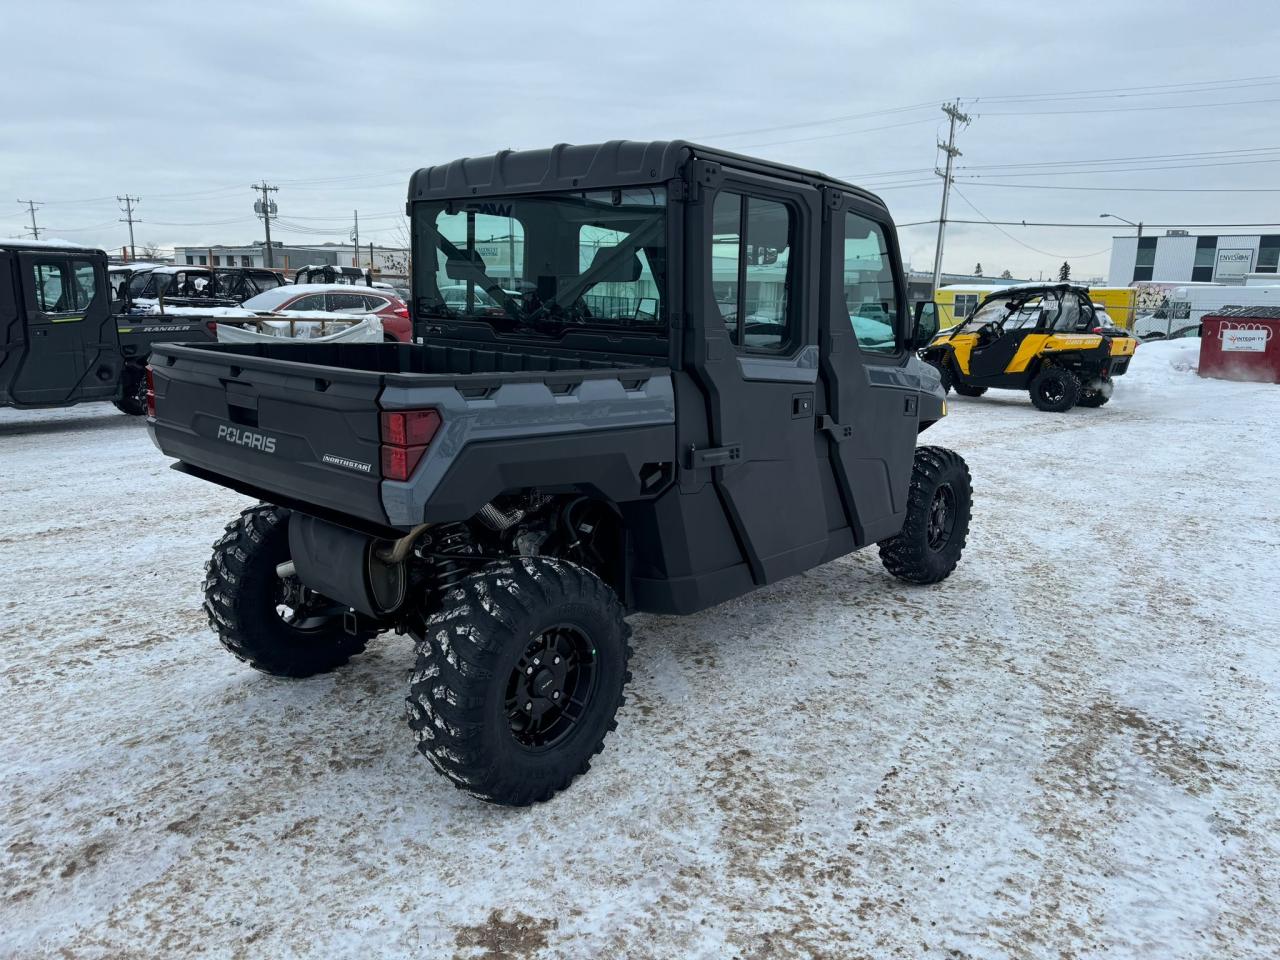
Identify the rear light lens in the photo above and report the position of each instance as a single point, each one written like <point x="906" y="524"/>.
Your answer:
<point x="151" y="394"/>
<point x="406" y="434"/>
<point x="1097" y="330"/>
<point x="212" y="326"/>
<point x="402" y="312"/>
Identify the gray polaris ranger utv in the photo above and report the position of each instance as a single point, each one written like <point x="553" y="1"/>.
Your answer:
<point x="660" y="389"/>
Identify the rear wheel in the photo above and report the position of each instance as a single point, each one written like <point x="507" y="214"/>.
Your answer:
<point x="1055" y="389"/>
<point x="518" y="679"/>
<point x="133" y="391"/>
<point x="967" y="391"/>
<point x="1096" y="397"/>
<point x="937" y="523"/>
<point x="274" y="624"/>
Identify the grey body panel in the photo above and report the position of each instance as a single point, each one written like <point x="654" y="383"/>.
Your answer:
<point x="515" y="411"/>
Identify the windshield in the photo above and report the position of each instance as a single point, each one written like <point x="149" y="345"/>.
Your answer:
<point x="546" y="262"/>
<point x="1060" y="311"/>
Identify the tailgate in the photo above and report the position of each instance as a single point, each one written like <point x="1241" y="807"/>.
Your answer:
<point x="292" y="431"/>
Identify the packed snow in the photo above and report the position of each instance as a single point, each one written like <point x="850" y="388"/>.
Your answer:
<point x="1069" y="749"/>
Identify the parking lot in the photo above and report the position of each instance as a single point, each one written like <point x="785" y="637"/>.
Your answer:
<point x="1070" y="748"/>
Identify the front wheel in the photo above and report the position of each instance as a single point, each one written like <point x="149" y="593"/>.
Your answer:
<point x="274" y="624"/>
<point x="938" y="509"/>
<point x="518" y="679"/>
<point x="967" y="391"/>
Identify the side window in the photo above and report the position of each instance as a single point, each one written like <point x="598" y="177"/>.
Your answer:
<point x="870" y="292"/>
<point x="750" y="269"/>
<point x="85" y="283"/>
<point x="374" y="304"/>
<point x="312" y="301"/>
<point x="51" y="287"/>
<point x="346" y="303"/>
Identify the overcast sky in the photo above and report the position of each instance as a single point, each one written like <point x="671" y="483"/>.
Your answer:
<point x="186" y="104"/>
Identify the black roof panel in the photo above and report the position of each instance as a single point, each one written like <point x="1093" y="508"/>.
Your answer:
<point x="588" y="167"/>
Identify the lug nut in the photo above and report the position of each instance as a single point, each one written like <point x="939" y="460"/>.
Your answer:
<point x="529" y="705"/>
<point x="557" y="660"/>
<point x="528" y="670"/>
<point x="556" y="695"/>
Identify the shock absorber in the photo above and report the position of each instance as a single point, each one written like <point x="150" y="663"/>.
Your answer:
<point x="446" y="573"/>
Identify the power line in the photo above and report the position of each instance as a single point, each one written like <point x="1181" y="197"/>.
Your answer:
<point x="1164" y="106"/>
<point x="1091" y="226"/>
<point x="1081" y="256"/>
<point x="1054" y="186"/>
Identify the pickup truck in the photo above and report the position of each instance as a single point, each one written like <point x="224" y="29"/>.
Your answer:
<point x="648" y="397"/>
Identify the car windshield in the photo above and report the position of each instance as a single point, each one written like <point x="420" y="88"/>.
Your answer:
<point x="546" y="262"/>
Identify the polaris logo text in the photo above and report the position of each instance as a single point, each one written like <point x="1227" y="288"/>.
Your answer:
<point x="247" y="438"/>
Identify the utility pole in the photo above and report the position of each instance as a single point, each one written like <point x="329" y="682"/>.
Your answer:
<point x="952" y="110"/>
<point x="31" y="205"/>
<point x="266" y="208"/>
<point x="355" y="236"/>
<point x="129" y="218"/>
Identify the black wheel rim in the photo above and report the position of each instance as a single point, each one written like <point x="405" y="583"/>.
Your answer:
<point x="942" y="517"/>
<point x="1052" y="391"/>
<point x="551" y="687"/>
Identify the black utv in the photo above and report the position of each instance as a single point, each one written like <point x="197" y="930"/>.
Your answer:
<point x="675" y="401"/>
<point x="63" y="340"/>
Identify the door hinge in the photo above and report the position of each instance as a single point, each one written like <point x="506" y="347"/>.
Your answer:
<point x="837" y="432"/>
<point x="713" y="456"/>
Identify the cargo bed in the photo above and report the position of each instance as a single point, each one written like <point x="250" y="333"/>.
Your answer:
<point x="299" y="423"/>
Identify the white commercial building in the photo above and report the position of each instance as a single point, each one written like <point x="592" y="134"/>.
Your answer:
<point x="1181" y="256"/>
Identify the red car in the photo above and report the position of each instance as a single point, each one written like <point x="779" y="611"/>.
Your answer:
<point x="339" y="298"/>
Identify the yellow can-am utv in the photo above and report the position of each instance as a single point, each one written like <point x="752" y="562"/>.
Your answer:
<point x="1047" y="339"/>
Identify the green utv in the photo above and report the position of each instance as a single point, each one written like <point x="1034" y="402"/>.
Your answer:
<point x="646" y="380"/>
<point x="63" y="340"/>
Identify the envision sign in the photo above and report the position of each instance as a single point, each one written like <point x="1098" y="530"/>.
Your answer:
<point x="1233" y="263"/>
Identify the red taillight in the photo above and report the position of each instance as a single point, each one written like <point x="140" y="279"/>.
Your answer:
<point x="406" y="435"/>
<point x="1097" y="330"/>
<point x="402" y="312"/>
<point x="151" y="393"/>
<point x="211" y="326"/>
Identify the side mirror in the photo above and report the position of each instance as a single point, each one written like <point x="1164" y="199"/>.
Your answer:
<point x="925" y="327"/>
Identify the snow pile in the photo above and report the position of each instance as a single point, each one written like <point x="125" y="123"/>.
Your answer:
<point x="1068" y="749"/>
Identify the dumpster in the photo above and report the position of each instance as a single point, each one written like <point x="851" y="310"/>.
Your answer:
<point x="1241" y="343"/>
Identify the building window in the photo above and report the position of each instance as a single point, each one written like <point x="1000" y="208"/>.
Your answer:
<point x="190" y="260"/>
<point x="246" y="261"/>
<point x="202" y="260"/>
<point x="1206" y="250"/>
<point x="1268" y="255"/>
<point x="1144" y="263"/>
<point x="966" y="303"/>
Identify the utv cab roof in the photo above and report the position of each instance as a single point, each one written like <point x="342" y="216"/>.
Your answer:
<point x="46" y="245"/>
<point x="1026" y="290"/>
<point x="594" y="166"/>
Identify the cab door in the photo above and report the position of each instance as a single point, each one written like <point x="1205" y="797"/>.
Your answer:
<point x="70" y="353"/>
<point x="751" y="264"/>
<point x="870" y="381"/>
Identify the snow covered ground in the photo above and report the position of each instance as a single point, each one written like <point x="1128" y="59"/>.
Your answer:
<point x="1069" y="749"/>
